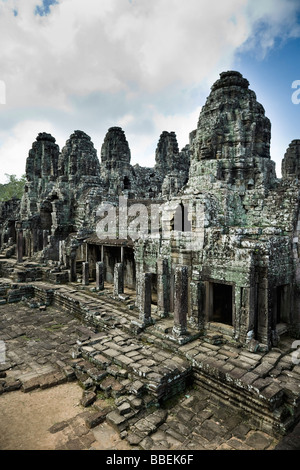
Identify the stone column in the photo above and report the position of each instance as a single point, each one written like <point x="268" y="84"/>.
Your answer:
<point x="181" y="301"/>
<point x="60" y="252"/>
<point x="163" y="287"/>
<point x="99" y="275"/>
<point x="72" y="271"/>
<point x="118" y="279"/>
<point x="197" y="318"/>
<point x="19" y="245"/>
<point x="85" y="274"/>
<point x="145" y="298"/>
<point x="45" y="238"/>
<point x="264" y="312"/>
<point x="35" y="240"/>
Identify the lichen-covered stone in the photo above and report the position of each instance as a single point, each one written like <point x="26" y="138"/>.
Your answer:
<point x="290" y="167"/>
<point x="220" y="211"/>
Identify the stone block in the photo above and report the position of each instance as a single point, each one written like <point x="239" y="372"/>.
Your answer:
<point x="88" y="398"/>
<point x="30" y="384"/>
<point x="94" y="419"/>
<point x="118" y="421"/>
<point x="124" y="408"/>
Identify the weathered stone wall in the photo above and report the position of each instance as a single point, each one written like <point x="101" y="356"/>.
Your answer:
<point x="224" y="214"/>
<point x="290" y="166"/>
<point x="246" y="232"/>
<point x="41" y="174"/>
<point x="9" y="211"/>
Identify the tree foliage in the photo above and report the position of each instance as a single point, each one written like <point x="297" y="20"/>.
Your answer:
<point x="13" y="188"/>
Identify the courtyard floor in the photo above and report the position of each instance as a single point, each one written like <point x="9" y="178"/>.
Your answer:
<point x="38" y="345"/>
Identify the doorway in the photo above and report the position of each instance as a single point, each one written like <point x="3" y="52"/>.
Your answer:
<point x="282" y="303"/>
<point x="221" y="305"/>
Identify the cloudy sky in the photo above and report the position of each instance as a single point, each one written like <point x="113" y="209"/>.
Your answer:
<point x="144" y="65"/>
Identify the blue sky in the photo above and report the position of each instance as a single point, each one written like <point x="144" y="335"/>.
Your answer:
<point x="44" y="9"/>
<point x="271" y="78"/>
<point x="146" y="66"/>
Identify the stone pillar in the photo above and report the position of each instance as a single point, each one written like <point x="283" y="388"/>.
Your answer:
<point x="19" y="245"/>
<point x="85" y="274"/>
<point x="163" y="287"/>
<point x="244" y="318"/>
<point x="35" y="240"/>
<point x="28" y="243"/>
<point x="145" y="298"/>
<point x="118" y="279"/>
<point x="197" y="293"/>
<point x="72" y="271"/>
<point x="264" y="312"/>
<point x="181" y="301"/>
<point x="99" y="275"/>
<point x="61" y="244"/>
<point x="45" y="238"/>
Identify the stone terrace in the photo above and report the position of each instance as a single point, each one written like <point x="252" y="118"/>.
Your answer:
<point x="61" y="333"/>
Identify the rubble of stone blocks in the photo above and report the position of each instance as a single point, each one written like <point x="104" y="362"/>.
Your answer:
<point x="109" y="359"/>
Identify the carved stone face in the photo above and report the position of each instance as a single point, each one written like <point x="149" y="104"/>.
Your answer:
<point x="232" y="123"/>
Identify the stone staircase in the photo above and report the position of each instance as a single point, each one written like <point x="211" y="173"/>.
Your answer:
<point x="152" y="367"/>
<point x="121" y="367"/>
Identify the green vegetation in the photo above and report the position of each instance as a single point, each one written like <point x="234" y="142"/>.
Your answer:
<point x="13" y="188"/>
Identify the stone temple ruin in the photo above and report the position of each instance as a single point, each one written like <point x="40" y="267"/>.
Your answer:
<point x="204" y="244"/>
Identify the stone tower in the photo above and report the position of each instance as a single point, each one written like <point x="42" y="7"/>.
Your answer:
<point x="78" y="162"/>
<point x="41" y="173"/>
<point x="232" y="140"/>
<point x="167" y="152"/>
<point x="171" y="165"/>
<point x="116" y="171"/>
<point x="290" y="167"/>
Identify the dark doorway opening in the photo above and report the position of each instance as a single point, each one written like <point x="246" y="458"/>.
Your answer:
<point x="46" y="216"/>
<point x="126" y="182"/>
<point x="154" y="289"/>
<point x="222" y="303"/>
<point x="282" y="303"/>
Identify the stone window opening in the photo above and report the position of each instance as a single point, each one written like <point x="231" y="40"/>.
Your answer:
<point x="180" y="222"/>
<point x="126" y="183"/>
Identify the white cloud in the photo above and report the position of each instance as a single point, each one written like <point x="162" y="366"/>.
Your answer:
<point x="270" y="20"/>
<point x="152" y="52"/>
<point x="107" y="45"/>
<point x="17" y="143"/>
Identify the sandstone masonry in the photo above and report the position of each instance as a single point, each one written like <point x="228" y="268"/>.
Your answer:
<point x="207" y="240"/>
